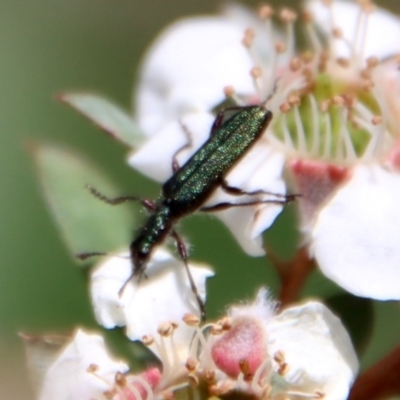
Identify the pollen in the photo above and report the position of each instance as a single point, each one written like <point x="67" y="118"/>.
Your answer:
<point x="265" y="12"/>
<point x="92" y="368"/>
<point x="248" y="38"/>
<point x="288" y="15"/>
<point x="166" y="329"/>
<point x="191" y="320"/>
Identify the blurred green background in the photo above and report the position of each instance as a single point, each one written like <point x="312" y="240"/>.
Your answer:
<point x="47" y="46"/>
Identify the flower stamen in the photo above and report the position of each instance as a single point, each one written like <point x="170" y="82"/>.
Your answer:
<point x="93" y="369"/>
<point x="142" y="382"/>
<point x="358" y="36"/>
<point x="256" y="73"/>
<point x="288" y="143"/>
<point x="198" y="339"/>
<point x="300" y="133"/>
<point x="315" y="125"/>
<point x="288" y="16"/>
<point x="328" y="4"/>
<point x="122" y="388"/>
<point x="345" y="135"/>
<point x="230" y="93"/>
<point x="265" y="12"/>
<point x="261" y="377"/>
<point x="191" y="364"/>
<point x="308" y="19"/>
<point x="316" y="395"/>
<point x="328" y="136"/>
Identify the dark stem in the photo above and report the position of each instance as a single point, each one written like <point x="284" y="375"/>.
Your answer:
<point x="380" y="381"/>
<point x="293" y="275"/>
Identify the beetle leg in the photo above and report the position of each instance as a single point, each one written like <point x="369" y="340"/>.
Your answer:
<point x="84" y="256"/>
<point x="183" y="253"/>
<point x="225" y="205"/>
<point x="148" y="204"/>
<point x="217" y="122"/>
<point x="131" y="276"/>
<point x="90" y="254"/>
<point x="187" y="145"/>
<point x="235" y="191"/>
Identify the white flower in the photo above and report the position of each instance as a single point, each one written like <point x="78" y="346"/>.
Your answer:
<point x="302" y="351"/>
<point x="163" y="297"/>
<point x="83" y="370"/>
<point x="353" y="235"/>
<point x="349" y="18"/>
<point x="316" y="348"/>
<point x="186" y="70"/>
<point x="355" y="238"/>
<point x="335" y="126"/>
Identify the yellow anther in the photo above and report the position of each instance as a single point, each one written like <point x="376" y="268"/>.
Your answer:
<point x="191" y="319"/>
<point x="165" y="329"/>
<point x="265" y="11"/>
<point x="376" y="120"/>
<point x="248" y="37"/>
<point x="147" y="340"/>
<point x="288" y="15"/>
<point x="280" y="47"/>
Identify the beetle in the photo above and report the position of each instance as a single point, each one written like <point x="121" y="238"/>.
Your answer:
<point x="234" y="131"/>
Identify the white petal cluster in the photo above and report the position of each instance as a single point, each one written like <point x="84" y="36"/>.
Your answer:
<point x="345" y="16"/>
<point x="348" y="208"/>
<point x="316" y="348"/>
<point x="187" y="68"/>
<point x="341" y="245"/>
<point x="302" y="351"/>
<point x="353" y="236"/>
<point x="164" y="296"/>
<point x="83" y="370"/>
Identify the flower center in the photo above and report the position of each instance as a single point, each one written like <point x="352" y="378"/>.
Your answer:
<point x="326" y="101"/>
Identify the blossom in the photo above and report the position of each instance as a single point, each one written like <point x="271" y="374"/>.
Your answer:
<point x="82" y="370"/>
<point x="353" y="234"/>
<point x="163" y="296"/>
<point x="333" y="138"/>
<point x="301" y="351"/>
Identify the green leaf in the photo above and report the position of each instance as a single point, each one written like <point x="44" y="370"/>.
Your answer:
<point x="357" y="315"/>
<point x="318" y="285"/>
<point x="86" y="223"/>
<point x="106" y="115"/>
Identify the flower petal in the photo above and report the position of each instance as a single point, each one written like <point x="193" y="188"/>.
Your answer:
<point x="154" y="158"/>
<point x="346" y="14"/>
<point x="356" y="236"/>
<point x="164" y="296"/>
<point x="70" y="376"/>
<point x="187" y="68"/>
<point x="316" y="348"/>
<point x="316" y="181"/>
<point x="41" y="353"/>
<point x="260" y="169"/>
